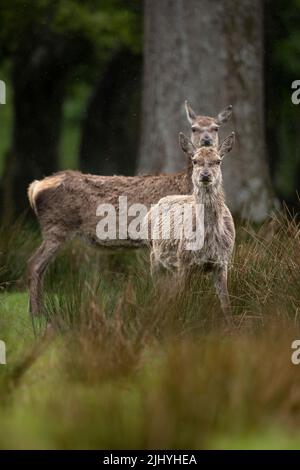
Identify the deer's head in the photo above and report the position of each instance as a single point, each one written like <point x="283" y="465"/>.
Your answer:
<point x="205" y="129"/>
<point x="206" y="161"/>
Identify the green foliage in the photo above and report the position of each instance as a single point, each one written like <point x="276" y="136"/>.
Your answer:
<point x="79" y="37"/>
<point x="286" y="51"/>
<point x="104" y="23"/>
<point x="282" y="68"/>
<point x="107" y="23"/>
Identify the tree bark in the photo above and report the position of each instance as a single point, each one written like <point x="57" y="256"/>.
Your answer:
<point x="210" y="53"/>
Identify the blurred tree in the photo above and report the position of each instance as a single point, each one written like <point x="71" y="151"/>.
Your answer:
<point x="282" y="67"/>
<point x="111" y="125"/>
<point x="46" y="41"/>
<point x="211" y="54"/>
<point x="208" y="52"/>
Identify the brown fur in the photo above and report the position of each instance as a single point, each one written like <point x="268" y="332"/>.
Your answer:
<point x="67" y="201"/>
<point x="37" y="186"/>
<point x="204" y="128"/>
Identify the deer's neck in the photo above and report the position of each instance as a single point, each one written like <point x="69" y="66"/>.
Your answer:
<point x="212" y="197"/>
<point x="185" y="178"/>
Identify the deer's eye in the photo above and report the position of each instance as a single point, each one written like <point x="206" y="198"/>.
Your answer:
<point x="216" y="129"/>
<point x="194" y="129"/>
<point x="218" y="162"/>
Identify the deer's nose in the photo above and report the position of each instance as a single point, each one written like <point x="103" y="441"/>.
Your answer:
<point x="205" y="177"/>
<point x="206" y="141"/>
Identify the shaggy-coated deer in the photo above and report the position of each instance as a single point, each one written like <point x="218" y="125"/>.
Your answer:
<point x="66" y="203"/>
<point x="215" y="245"/>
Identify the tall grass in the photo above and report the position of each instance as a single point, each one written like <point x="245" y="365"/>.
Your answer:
<point x="151" y="364"/>
<point x="17" y="242"/>
<point x="264" y="286"/>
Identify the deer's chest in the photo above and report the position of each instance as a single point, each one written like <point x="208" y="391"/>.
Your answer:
<point x="209" y="251"/>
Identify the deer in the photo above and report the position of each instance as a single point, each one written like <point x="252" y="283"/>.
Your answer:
<point x="65" y="203"/>
<point x="214" y="247"/>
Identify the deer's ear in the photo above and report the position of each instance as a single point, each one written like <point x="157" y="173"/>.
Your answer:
<point x="227" y="144"/>
<point x="224" y="115"/>
<point x="186" y="145"/>
<point x="191" y="115"/>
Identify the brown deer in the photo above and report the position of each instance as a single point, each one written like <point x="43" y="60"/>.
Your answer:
<point x="66" y="203"/>
<point x="205" y="129"/>
<point x="173" y="249"/>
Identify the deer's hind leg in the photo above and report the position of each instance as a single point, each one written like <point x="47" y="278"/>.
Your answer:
<point x="37" y="266"/>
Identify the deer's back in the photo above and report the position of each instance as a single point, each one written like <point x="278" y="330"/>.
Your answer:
<point x="68" y="200"/>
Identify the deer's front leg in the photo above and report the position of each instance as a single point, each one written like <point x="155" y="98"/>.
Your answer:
<point x="220" y="279"/>
<point x="155" y="266"/>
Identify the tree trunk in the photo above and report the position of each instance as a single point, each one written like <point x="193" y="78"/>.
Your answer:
<point x="210" y="53"/>
<point x="37" y="125"/>
<point x="38" y="97"/>
<point x="109" y="142"/>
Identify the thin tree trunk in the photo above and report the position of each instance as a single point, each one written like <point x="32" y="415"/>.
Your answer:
<point x="36" y="126"/>
<point x="109" y="142"/>
<point x="210" y="53"/>
<point x="38" y="97"/>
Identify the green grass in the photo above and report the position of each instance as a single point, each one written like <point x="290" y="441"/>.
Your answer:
<point x="272" y="439"/>
<point x="131" y="364"/>
<point x="15" y="323"/>
<point x="206" y="392"/>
